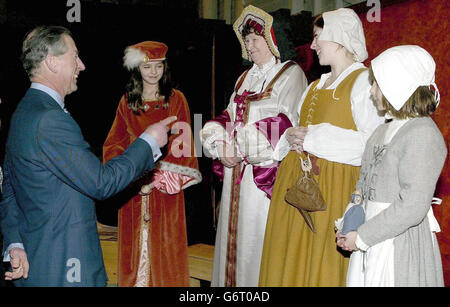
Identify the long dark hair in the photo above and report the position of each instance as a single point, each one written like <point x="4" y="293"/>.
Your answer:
<point x="134" y="88"/>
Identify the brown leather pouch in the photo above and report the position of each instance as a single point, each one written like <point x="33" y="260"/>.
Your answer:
<point x="305" y="194"/>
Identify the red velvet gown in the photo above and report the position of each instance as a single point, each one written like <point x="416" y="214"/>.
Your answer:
<point x="167" y="259"/>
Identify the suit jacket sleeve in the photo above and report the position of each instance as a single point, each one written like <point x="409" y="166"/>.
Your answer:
<point x="68" y="156"/>
<point x="9" y="211"/>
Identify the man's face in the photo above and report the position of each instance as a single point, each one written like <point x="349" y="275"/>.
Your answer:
<point x="70" y="67"/>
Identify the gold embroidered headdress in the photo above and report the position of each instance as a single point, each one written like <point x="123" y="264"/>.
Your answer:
<point x="262" y="23"/>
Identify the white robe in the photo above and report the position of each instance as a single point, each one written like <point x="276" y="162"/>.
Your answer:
<point x="253" y="203"/>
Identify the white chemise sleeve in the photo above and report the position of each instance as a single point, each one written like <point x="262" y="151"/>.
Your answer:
<point x="292" y="93"/>
<point x="213" y="136"/>
<point x="283" y="147"/>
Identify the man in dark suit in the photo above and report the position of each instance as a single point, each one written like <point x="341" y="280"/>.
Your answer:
<point x="51" y="177"/>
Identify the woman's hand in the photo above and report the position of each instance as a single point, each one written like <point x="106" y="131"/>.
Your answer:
<point x="295" y="137"/>
<point x="230" y="161"/>
<point x="349" y="241"/>
<point x="340" y="239"/>
<point x="147" y="189"/>
<point x="229" y="157"/>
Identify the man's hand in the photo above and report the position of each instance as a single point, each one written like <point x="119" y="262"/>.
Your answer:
<point x="19" y="264"/>
<point x="159" y="130"/>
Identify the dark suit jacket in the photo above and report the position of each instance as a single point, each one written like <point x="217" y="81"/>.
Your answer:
<point x="51" y="179"/>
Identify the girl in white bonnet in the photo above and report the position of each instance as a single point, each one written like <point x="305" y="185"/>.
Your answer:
<point x="397" y="246"/>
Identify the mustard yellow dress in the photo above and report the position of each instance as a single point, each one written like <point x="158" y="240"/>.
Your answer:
<point x="293" y="255"/>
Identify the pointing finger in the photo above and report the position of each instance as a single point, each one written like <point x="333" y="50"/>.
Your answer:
<point x="167" y="121"/>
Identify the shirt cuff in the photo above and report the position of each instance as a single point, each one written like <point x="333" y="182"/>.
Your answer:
<point x="152" y="142"/>
<point x="281" y="149"/>
<point x="10" y="247"/>
<point x="360" y="244"/>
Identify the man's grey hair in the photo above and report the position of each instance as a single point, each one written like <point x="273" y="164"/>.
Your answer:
<point x="40" y="42"/>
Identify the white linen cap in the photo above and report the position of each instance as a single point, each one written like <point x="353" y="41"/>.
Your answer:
<point x="400" y="70"/>
<point x="344" y="27"/>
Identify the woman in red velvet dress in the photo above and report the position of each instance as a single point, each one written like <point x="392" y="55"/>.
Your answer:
<point x="152" y="224"/>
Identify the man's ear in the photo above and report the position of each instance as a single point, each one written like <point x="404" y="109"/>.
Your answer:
<point x="52" y="63"/>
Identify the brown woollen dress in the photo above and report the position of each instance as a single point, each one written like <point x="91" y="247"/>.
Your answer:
<point x="293" y="255"/>
<point x="166" y="260"/>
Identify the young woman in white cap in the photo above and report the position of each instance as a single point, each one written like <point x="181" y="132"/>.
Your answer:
<point x="244" y="141"/>
<point x="336" y="119"/>
<point x="152" y="222"/>
<point x="397" y="246"/>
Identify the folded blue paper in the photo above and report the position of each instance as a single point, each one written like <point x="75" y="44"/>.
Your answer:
<point x="353" y="218"/>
